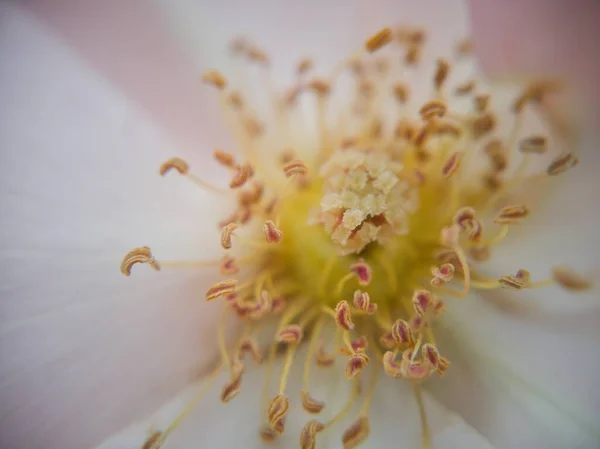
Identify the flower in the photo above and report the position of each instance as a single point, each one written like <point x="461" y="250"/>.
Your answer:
<point x="376" y="241"/>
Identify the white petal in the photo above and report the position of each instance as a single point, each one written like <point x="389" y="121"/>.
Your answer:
<point x="394" y="416"/>
<point x="84" y="349"/>
<point x="523" y="379"/>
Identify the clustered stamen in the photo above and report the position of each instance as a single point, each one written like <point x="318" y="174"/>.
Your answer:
<point x="370" y="235"/>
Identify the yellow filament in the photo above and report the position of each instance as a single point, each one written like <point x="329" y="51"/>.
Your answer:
<point x="497" y="238"/>
<point x="340" y="415"/>
<point x="311" y="350"/>
<point x="364" y="410"/>
<point x="340" y="285"/>
<point x="466" y="269"/>
<point x="207" y="186"/>
<point x="290" y="355"/>
<point x="189" y="263"/>
<point x="347" y="342"/>
<point x="423" y="415"/>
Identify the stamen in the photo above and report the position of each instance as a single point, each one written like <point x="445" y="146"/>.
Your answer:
<point x="220" y="289"/>
<point x="138" y="255"/>
<point x="311" y="405"/>
<point x="228" y="266"/>
<point x="226" y="234"/>
<point x="402" y="334"/>
<point x="358" y="432"/>
<point x="362" y="301"/>
<point x="432" y="109"/>
<point x="291" y="334"/>
<point x="481" y="102"/>
<point x="304" y="66"/>
<point x="362" y="270"/>
<point x="224" y="158"/>
<point x="174" y="163"/>
<point x="423" y="415"/>
<point x="249" y="345"/>
<point x="451" y="165"/>
<point x="295" y="168"/>
<point x="308" y="434"/>
<point x="154" y="441"/>
<point x="562" y="163"/>
<point x="215" y="78"/>
<point x="242" y="174"/>
<point x="276" y="413"/>
<point x="232" y="388"/>
<point x="379" y="40"/>
<point x="511" y="214"/>
<point x="570" y="280"/>
<point x="342" y="316"/>
<point x="272" y="234"/>
<point x="533" y="144"/>
<point x="441" y="73"/>
<point x="355" y="364"/>
<point x="465" y="88"/>
<point x="401" y="93"/>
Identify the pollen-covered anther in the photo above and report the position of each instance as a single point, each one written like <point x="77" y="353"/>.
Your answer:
<point x="357" y="433"/>
<point x="320" y="87"/>
<point x="519" y="281"/>
<point x="308" y="435"/>
<point x="362" y="301"/>
<point x="323" y="358"/>
<point x="442" y="275"/>
<point x="511" y="214"/>
<point x="465" y="88"/>
<point x="356" y="362"/>
<point x="242" y="173"/>
<point x="232" y="388"/>
<point x="342" y="316"/>
<point x="267" y="434"/>
<point x="467" y="221"/>
<point x="359" y="344"/>
<point x="452" y="164"/>
<point x="311" y="405"/>
<point x="496" y="151"/>
<point x="568" y="279"/>
<point x="533" y="144"/>
<point x="290" y="334"/>
<point x="481" y="102"/>
<point x="304" y="65"/>
<point x="276" y="413"/>
<point x="154" y="441"/>
<point x="215" y="78"/>
<point x="379" y="40"/>
<point x="562" y="163"/>
<point x="401" y="333"/>
<point x="390" y="366"/>
<point x="421" y="300"/>
<point x="228" y="266"/>
<point x="363" y="272"/>
<point x="224" y="158"/>
<point x="142" y="254"/>
<point x="226" y="234"/>
<point x="416" y="370"/>
<point x="295" y="168"/>
<point x="258" y="56"/>
<point x="400" y="92"/>
<point x="432" y="109"/>
<point x="222" y="288"/>
<point x="250" y="346"/>
<point x="483" y="124"/>
<point x="441" y="72"/>
<point x="175" y="163"/>
<point x="272" y="234"/>
<point x="432" y="355"/>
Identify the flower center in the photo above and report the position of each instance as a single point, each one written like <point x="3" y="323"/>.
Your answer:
<point x="373" y="229"/>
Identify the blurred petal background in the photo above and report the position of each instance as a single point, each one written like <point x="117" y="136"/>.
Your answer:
<point x="96" y="95"/>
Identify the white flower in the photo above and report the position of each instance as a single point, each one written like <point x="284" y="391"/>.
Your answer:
<point x="87" y="351"/>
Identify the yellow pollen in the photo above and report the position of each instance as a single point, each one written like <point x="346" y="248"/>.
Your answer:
<point x="357" y="225"/>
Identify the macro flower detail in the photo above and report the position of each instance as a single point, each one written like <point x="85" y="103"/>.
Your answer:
<point x="355" y="247"/>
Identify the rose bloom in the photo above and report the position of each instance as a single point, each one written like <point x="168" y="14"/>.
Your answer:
<point x="358" y="240"/>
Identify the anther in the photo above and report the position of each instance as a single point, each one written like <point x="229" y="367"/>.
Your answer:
<point x="276" y="413"/>
<point x="362" y="301"/>
<point x="224" y="158"/>
<point x="400" y="92"/>
<point x="533" y="144"/>
<point x="232" y="388"/>
<point x="250" y="346"/>
<point x="342" y="316"/>
<point x="562" y="163"/>
<point x="295" y="168"/>
<point x="324" y="359"/>
<point x="215" y="78"/>
<point x="355" y="364"/>
<point x="308" y="435"/>
<point x="258" y="56"/>
<point x="432" y="355"/>
<point x="362" y="270"/>
<point x="379" y="40"/>
<point x="242" y="174"/>
<point x="421" y="300"/>
<point x="174" y="163"/>
<point x="431" y="109"/>
<point x="401" y="333"/>
<point x="390" y="366"/>
<point x="304" y="65"/>
<point x="235" y="100"/>
<point x="483" y="124"/>
<point x="511" y="214"/>
<point x="228" y="266"/>
<point x="465" y="88"/>
<point x="272" y="234"/>
<point x="154" y="441"/>
<point x="311" y="405"/>
<point x="516" y="282"/>
<point x="570" y="280"/>
<point x="481" y="102"/>
<point x="291" y="334"/>
<point x="441" y="73"/>
<point x="226" y="233"/>
<point x="222" y="288"/>
<point x="320" y="87"/>
<point x="451" y="165"/>
<point x="496" y="151"/>
<point x="142" y="254"/>
<point x="357" y="433"/>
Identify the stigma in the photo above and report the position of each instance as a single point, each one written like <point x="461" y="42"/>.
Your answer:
<point x="353" y="245"/>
